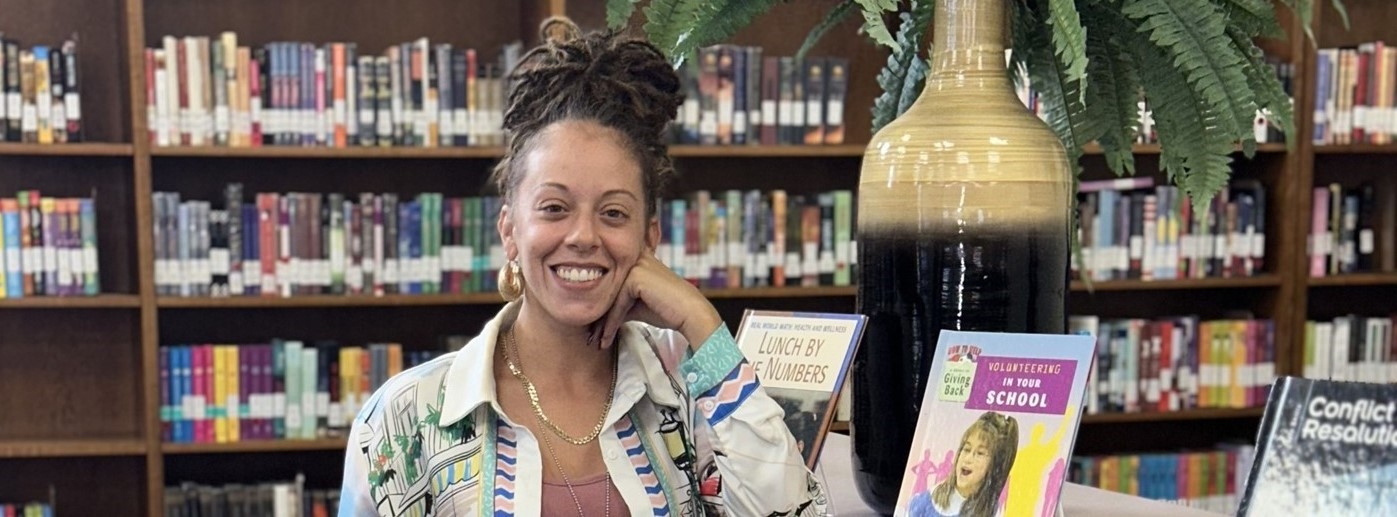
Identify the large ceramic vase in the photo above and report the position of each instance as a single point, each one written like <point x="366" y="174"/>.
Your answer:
<point x="963" y="223"/>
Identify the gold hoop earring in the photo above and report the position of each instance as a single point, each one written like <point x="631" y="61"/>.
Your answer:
<point x="511" y="281"/>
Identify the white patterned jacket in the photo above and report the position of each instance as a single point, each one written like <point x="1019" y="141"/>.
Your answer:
<point x="434" y="441"/>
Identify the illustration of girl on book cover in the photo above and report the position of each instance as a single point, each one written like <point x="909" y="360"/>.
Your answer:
<point x="1002" y="410"/>
<point x="982" y="464"/>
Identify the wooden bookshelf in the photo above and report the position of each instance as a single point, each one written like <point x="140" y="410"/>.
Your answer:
<point x="71" y="448"/>
<point x="1356" y="149"/>
<point x="319" y="444"/>
<point x="99" y="355"/>
<point x="326" y="301"/>
<point x="1354" y="280"/>
<point x="105" y="301"/>
<point x="1181" y="284"/>
<point x="376" y="153"/>
<point x="77" y="149"/>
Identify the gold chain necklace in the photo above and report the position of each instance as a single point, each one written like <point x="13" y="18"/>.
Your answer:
<point x="512" y="349"/>
<point x="568" y="482"/>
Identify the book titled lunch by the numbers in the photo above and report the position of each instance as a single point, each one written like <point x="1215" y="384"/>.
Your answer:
<point x="1325" y="448"/>
<point x="801" y="359"/>
<point x="997" y="425"/>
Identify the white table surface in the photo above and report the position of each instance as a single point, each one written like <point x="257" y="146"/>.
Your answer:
<point x="1078" y="500"/>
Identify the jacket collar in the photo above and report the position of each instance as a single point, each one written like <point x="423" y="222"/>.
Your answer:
<point x="470" y="380"/>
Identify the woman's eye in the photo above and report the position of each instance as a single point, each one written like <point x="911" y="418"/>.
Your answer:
<point x="551" y="209"/>
<point x="614" y="214"/>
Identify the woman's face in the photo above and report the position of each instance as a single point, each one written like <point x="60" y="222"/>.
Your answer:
<point x="576" y="222"/>
<point x="972" y="464"/>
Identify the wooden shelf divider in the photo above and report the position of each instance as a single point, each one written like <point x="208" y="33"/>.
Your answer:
<point x="318" y="444"/>
<point x="71" y="448"/>
<point x="1354" y="280"/>
<point x="102" y="301"/>
<point x="76" y="149"/>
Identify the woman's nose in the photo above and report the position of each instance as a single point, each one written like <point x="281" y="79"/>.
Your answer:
<point x="583" y="234"/>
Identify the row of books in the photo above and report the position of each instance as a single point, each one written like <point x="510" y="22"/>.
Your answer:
<point x="1351" y="348"/>
<point x="281" y="499"/>
<point x="284" y="389"/>
<point x="1171" y="364"/>
<point x="1354" y="94"/>
<point x="1263" y="131"/>
<point x="1208" y="480"/>
<point x="26" y="510"/>
<point x="50" y="246"/>
<point x="1344" y="236"/>
<point x="42" y="99"/>
<point x="310" y="243"/>
<point x="733" y="238"/>
<point x="212" y="91"/>
<point x="736" y="96"/>
<point x="1133" y="229"/>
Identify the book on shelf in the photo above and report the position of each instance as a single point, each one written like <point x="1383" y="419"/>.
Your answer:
<point x="1210" y="480"/>
<point x="1178" y="363"/>
<point x="216" y="91"/>
<point x="42" y="93"/>
<point x="49" y="246"/>
<point x="300" y="243"/>
<point x="274" y="499"/>
<point x="802" y="360"/>
<point x="1352" y="229"/>
<point x="1353" y="102"/>
<point x="997" y="424"/>
<point x="1132" y="229"/>
<point x="26" y="510"/>
<point x="1351" y="348"/>
<point x="1325" y="448"/>
<point x="281" y="389"/>
<point x="736" y="95"/>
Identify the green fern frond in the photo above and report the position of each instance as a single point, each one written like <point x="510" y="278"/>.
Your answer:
<point x="873" y="22"/>
<point x="667" y="21"/>
<point x="718" y="21"/>
<point x="903" y="77"/>
<point x="1115" y="93"/>
<point x="1255" y="17"/>
<point x="834" y="17"/>
<point x="1262" y="78"/>
<point x="1193" y="32"/>
<point x="1069" y="40"/>
<point x="1061" y="96"/>
<point x="1343" y="12"/>
<point x="618" y="12"/>
<point x="1195" y="152"/>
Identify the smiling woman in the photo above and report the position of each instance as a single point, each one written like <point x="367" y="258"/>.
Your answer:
<point x="608" y="385"/>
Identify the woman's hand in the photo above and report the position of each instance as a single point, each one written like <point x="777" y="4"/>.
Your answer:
<point x="653" y="294"/>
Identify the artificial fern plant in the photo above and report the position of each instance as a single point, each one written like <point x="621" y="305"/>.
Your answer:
<point x="1196" y="62"/>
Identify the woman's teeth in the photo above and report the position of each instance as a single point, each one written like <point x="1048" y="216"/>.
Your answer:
<point x="573" y="274"/>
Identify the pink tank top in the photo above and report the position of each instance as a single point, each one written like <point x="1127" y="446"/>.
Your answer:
<point x="591" y="493"/>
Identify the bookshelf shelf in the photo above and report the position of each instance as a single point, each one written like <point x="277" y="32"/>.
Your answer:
<point x="760" y="151"/>
<point x="318" y="444"/>
<point x="1147" y="149"/>
<point x="1183" y="284"/>
<point x="71" y="448"/>
<point x="329" y="152"/>
<point x="105" y="301"/>
<point x="393" y="300"/>
<point x="1167" y="416"/>
<point x="782" y="292"/>
<point x="1356" y="149"/>
<point x="78" y="149"/>
<point x="1354" y="280"/>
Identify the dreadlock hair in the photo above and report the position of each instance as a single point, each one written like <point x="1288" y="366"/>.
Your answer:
<point x="620" y="83"/>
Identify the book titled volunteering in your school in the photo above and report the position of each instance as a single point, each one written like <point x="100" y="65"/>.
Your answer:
<point x="997" y="425"/>
<point x="802" y="359"/>
<point x="1325" y="448"/>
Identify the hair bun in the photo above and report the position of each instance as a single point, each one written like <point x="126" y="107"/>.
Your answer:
<point x="558" y="29"/>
